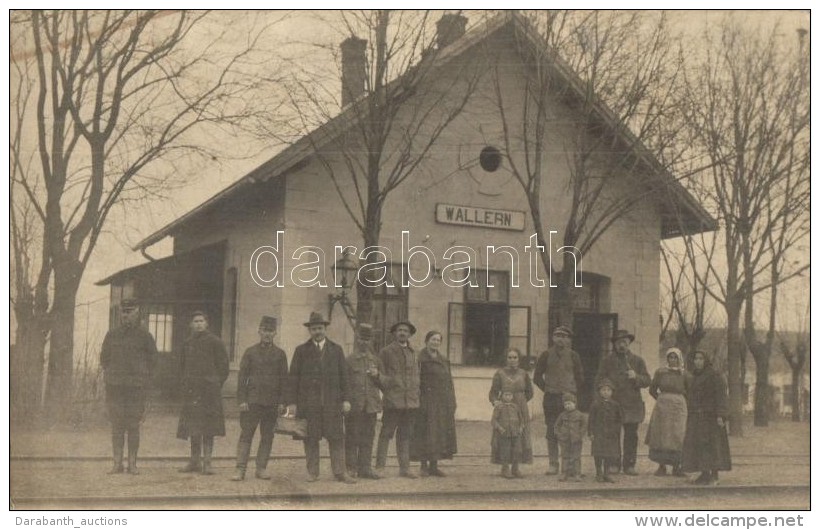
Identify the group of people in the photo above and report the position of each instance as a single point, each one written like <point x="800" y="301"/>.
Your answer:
<point x="338" y="398"/>
<point x="687" y="429"/>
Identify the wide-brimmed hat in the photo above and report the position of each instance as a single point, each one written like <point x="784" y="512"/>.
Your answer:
<point x="623" y="334"/>
<point x="604" y="382"/>
<point x="316" y="318"/>
<point x="562" y="329"/>
<point x="268" y="323"/>
<point x="406" y="323"/>
<point x="364" y="331"/>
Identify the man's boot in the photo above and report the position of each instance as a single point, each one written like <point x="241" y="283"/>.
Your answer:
<point x="381" y="452"/>
<point x="505" y="471"/>
<point x="117" y="442"/>
<point x="133" y="447"/>
<point x="262" y="457"/>
<point x="194" y="464"/>
<point x="207" y="452"/>
<point x="243" y="451"/>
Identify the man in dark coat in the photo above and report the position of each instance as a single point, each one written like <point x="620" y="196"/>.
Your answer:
<point x="204" y="369"/>
<point x="262" y="383"/>
<point x="557" y="371"/>
<point x="127" y="359"/>
<point x="628" y="374"/>
<point x="364" y="373"/>
<point x="318" y="392"/>
<point x="401" y="397"/>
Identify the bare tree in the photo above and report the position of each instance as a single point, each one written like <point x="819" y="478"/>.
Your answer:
<point x="796" y="355"/>
<point x="389" y="120"/>
<point x="110" y="103"/>
<point x="748" y="111"/>
<point x="617" y="72"/>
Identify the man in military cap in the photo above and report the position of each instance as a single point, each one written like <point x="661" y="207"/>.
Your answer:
<point x="318" y="392"/>
<point x="263" y="377"/>
<point x="557" y="371"/>
<point x="401" y="397"/>
<point x="127" y="359"/>
<point x="364" y="377"/>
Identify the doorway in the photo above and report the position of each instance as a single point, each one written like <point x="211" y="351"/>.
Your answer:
<point x="592" y="332"/>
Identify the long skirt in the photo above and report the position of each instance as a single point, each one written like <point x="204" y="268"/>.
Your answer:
<point x="667" y="429"/>
<point x="706" y="445"/>
<point x="507" y="449"/>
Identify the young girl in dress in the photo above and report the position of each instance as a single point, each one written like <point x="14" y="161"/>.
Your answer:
<point x="507" y="427"/>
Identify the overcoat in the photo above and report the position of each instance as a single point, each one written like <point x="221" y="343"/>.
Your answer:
<point x="263" y="376"/>
<point x="518" y="382"/>
<point x="364" y="387"/>
<point x="604" y="423"/>
<point x="318" y="386"/>
<point x="203" y="371"/>
<point x="127" y="356"/>
<point x="434" y="432"/>
<point x="570" y="427"/>
<point x="706" y="444"/>
<point x="626" y="392"/>
<point x="401" y="377"/>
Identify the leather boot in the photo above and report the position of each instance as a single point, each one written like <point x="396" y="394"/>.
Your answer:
<point x="194" y="464"/>
<point x="381" y="452"/>
<point x="262" y="457"/>
<point x="133" y="447"/>
<point x="117" y="442"/>
<point x="207" y="452"/>
<point x="243" y="451"/>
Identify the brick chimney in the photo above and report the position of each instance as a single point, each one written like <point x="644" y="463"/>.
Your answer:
<point x="450" y="28"/>
<point x="354" y="68"/>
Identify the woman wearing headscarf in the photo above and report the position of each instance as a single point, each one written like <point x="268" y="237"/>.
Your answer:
<point x="513" y="379"/>
<point x="706" y="444"/>
<point x="667" y="426"/>
<point x="434" y="432"/>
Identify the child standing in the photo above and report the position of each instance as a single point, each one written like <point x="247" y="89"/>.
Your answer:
<point x="569" y="429"/>
<point x="507" y="428"/>
<point x="605" y="419"/>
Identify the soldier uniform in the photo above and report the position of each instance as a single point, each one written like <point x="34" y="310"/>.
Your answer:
<point x="261" y="387"/>
<point x="127" y="359"/>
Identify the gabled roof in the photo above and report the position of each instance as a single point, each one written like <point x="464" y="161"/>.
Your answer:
<point x="695" y="217"/>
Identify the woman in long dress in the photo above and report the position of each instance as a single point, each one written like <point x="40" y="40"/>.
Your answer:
<point x="667" y="426"/>
<point x="706" y="445"/>
<point x="434" y="432"/>
<point x="513" y="379"/>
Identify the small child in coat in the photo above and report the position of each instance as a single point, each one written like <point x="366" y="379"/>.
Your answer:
<point x="507" y="429"/>
<point x="605" y="418"/>
<point x="569" y="429"/>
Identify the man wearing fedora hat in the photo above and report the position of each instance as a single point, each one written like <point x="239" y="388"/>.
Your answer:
<point x="557" y="371"/>
<point x="364" y="380"/>
<point x="127" y="359"/>
<point x="261" y="384"/>
<point x="401" y="397"/>
<point x="628" y="375"/>
<point x="318" y="392"/>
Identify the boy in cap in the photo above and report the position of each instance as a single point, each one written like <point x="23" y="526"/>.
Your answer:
<point x="364" y="372"/>
<point x="569" y="429"/>
<point x="262" y="382"/>
<point x="604" y="430"/>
